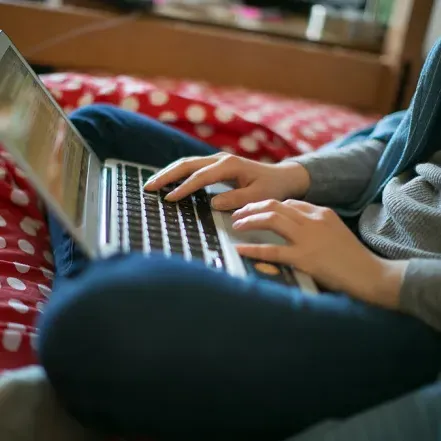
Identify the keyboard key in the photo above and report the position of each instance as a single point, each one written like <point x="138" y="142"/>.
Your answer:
<point x="174" y="234"/>
<point x="131" y="171"/>
<point x="156" y="244"/>
<point x="136" y="245"/>
<point x="197" y="255"/>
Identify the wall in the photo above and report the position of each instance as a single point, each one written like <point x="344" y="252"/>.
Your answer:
<point x="434" y="31"/>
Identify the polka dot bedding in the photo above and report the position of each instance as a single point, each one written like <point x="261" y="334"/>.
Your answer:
<point x="26" y="265"/>
<point x="255" y="125"/>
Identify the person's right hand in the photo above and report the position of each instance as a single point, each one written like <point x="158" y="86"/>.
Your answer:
<point x="255" y="181"/>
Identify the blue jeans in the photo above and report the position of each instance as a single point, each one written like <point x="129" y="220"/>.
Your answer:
<point x="162" y="347"/>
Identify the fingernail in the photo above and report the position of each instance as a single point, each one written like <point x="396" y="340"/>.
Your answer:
<point x="237" y="224"/>
<point x="169" y="197"/>
<point x="218" y="203"/>
<point x="235" y="214"/>
<point x="150" y="182"/>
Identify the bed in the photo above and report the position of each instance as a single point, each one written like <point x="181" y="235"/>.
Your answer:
<point x="230" y="101"/>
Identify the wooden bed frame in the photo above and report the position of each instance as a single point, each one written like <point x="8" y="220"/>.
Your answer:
<point x="152" y="46"/>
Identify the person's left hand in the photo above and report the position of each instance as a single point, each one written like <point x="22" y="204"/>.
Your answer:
<point x="321" y="245"/>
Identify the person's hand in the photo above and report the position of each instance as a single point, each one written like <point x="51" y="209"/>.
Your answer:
<point x="321" y="245"/>
<point x="255" y="181"/>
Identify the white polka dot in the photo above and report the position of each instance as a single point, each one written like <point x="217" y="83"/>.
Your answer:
<point x="338" y="135"/>
<point x="34" y="341"/>
<point x="204" y="131"/>
<point x="57" y="77"/>
<point x="56" y="93"/>
<point x="16" y="326"/>
<point x="248" y="144"/>
<point x="2" y="242"/>
<point x="130" y="103"/>
<point x="2" y="173"/>
<point x="107" y="89"/>
<point x="45" y="290"/>
<point x="68" y="110"/>
<point x="28" y="226"/>
<point x="304" y="146"/>
<point x="6" y="155"/>
<point x="259" y="134"/>
<point x="16" y="284"/>
<point x="228" y="149"/>
<point x="40" y="306"/>
<point x="85" y="100"/>
<point x="168" y="116"/>
<point x="158" y="97"/>
<point x="308" y="132"/>
<point x="18" y="305"/>
<point x="319" y="126"/>
<point x="21" y="267"/>
<point x="132" y="88"/>
<point x="19" y="197"/>
<point x="25" y="246"/>
<point x="223" y="115"/>
<point x="20" y="173"/>
<point x="253" y="116"/>
<point x="76" y="85"/>
<point x="2" y="221"/>
<point x="11" y="340"/>
<point x="335" y="122"/>
<point x="47" y="273"/>
<point x="48" y="256"/>
<point x="196" y="113"/>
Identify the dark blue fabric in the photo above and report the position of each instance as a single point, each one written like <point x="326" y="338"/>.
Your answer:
<point x="412" y="136"/>
<point x="170" y="349"/>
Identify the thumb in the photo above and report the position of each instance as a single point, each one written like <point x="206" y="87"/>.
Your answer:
<point x="234" y="199"/>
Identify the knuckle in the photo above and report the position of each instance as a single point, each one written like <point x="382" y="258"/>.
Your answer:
<point x="327" y="213"/>
<point x="323" y="214"/>
<point x="272" y="204"/>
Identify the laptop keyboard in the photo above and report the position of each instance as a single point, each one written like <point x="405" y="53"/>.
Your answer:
<point x="147" y="222"/>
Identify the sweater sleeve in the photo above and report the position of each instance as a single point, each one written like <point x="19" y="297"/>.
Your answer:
<point x="339" y="176"/>
<point x="420" y="293"/>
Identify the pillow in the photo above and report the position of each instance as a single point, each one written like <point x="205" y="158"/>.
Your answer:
<point x="256" y="125"/>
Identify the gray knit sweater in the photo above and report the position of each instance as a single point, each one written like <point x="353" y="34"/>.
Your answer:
<point x="406" y="225"/>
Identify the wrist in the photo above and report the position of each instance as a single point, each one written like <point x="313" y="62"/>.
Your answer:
<point x="386" y="279"/>
<point x="297" y="177"/>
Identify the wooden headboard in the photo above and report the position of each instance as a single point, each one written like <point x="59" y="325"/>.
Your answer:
<point x="151" y="46"/>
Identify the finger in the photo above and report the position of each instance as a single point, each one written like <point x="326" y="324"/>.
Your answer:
<point x="236" y="198"/>
<point x="272" y="221"/>
<point x="257" y="207"/>
<point x="211" y="174"/>
<point x="270" y="253"/>
<point x="271" y="205"/>
<point x="178" y="170"/>
<point x="303" y="206"/>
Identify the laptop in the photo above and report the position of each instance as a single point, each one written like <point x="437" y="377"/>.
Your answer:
<point x="103" y="204"/>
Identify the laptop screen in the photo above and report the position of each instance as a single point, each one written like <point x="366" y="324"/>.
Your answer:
<point x="33" y="125"/>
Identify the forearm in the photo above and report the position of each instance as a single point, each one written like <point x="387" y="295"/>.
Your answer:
<point x="339" y="176"/>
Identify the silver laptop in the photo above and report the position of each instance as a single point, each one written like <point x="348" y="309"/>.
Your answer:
<point x="104" y="205"/>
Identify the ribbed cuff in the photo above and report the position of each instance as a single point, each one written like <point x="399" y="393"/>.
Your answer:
<point x="420" y="293"/>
